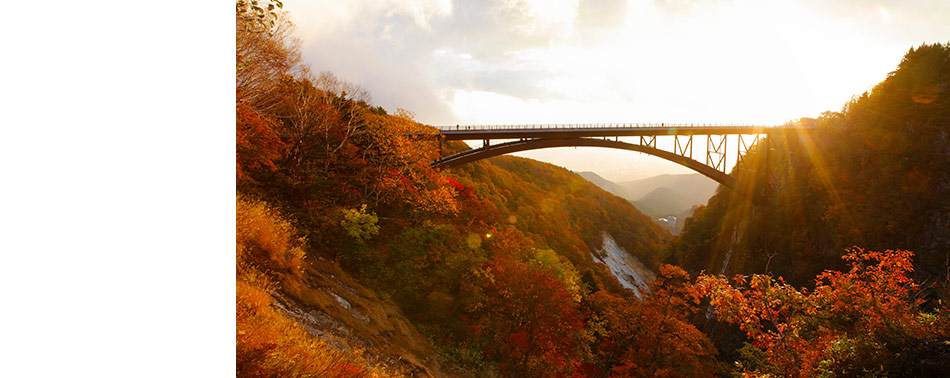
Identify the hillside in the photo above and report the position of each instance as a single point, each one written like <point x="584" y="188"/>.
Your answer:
<point x="876" y="175"/>
<point x="300" y="313"/>
<point x="560" y="209"/>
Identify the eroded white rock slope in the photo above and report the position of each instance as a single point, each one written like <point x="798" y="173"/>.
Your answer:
<point x="631" y="273"/>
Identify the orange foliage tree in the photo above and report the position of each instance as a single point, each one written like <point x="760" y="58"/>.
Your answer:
<point x="863" y="321"/>
<point x="650" y="338"/>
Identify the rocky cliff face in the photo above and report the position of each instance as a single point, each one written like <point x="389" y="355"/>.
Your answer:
<point x="629" y="271"/>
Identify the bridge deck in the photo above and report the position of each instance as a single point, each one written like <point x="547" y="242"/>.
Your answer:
<point x="609" y="130"/>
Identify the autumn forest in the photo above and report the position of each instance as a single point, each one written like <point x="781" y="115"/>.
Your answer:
<point x="356" y="258"/>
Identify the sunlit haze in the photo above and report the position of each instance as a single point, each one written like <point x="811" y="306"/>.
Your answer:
<point x="590" y="61"/>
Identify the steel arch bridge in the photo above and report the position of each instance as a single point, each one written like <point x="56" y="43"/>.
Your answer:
<point x="515" y="138"/>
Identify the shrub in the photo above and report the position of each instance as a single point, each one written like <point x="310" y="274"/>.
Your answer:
<point x="270" y="345"/>
<point x="359" y="224"/>
<point x="265" y="239"/>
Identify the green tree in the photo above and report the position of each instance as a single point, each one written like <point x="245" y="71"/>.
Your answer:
<point x="359" y="224"/>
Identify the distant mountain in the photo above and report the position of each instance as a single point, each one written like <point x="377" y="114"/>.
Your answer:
<point x="605" y="184"/>
<point x="663" y="201"/>
<point x="692" y="188"/>
<point x="695" y="187"/>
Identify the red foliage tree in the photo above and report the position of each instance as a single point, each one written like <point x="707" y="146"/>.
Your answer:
<point x="258" y="146"/>
<point x="531" y="324"/>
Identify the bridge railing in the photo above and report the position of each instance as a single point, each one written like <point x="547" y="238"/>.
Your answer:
<point x="569" y="126"/>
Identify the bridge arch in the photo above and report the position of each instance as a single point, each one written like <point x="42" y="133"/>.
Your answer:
<point x="534" y="144"/>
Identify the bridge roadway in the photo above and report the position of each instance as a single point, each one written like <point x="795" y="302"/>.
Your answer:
<point x="563" y="131"/>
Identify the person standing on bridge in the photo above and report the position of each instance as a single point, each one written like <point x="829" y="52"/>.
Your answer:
<point x="456" y="127"/>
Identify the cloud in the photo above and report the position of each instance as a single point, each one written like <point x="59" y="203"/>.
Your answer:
<point x="514" y="77"/>
<point x="430" y="48"/>
<point x="381" y="45"/>
<point x="599" y="14"/>
<point x="317" y="16"/>
<point x="489" y="30"/>
<point x="523" y="84"/>
<point x="421" y="11"/>
<point x="683" y="6"/>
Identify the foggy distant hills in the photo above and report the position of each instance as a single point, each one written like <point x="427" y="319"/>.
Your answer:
<point x="695" y="188"/>
<point x="668" y="199"/>
<point x="610" y="186"/>
<point x="664" y="201"/>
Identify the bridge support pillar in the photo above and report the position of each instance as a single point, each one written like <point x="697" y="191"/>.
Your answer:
<point x="683" y="150"/>
<point x="717" y="148"/>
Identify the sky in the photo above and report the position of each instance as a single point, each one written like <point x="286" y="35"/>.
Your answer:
<point x="601" y="61"/>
